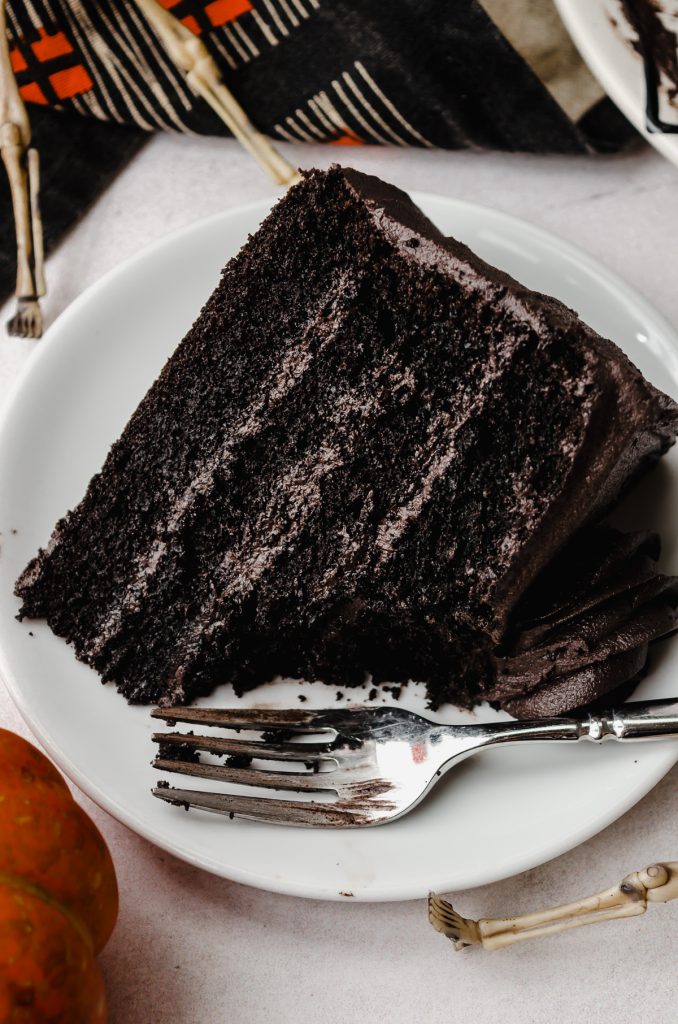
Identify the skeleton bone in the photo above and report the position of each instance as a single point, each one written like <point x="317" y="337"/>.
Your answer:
<point x="23" y="170"/>
<point x="657" y="883"/>
<point x="189" y="54"/>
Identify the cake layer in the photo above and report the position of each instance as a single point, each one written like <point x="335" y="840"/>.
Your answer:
<point x="361" y="455"/>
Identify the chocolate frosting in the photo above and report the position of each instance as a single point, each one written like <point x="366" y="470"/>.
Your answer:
<point x="602" y="609"/>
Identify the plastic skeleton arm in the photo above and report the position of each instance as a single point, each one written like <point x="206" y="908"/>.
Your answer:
<point x="657" y="883"/>
<point x="23" y="170"/>
<point x="189" y="54"/>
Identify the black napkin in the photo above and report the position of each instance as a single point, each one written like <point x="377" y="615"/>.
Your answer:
<point x="78" y="159"/>
<point x="407" y="72"/>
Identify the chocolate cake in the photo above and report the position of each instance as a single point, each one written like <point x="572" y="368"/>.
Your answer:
<point x="359" y="459"/>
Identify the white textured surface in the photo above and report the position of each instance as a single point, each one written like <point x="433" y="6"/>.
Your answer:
<point x="189" y="947"/>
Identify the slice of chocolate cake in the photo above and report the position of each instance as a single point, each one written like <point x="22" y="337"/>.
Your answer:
<point x="358" y="459"/>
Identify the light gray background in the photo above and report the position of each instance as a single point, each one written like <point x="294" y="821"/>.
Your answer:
<point x="191" y="948"/>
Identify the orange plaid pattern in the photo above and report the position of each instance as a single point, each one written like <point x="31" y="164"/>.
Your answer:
<point x="62" y="82"/>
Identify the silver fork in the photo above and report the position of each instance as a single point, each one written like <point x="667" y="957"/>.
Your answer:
<point x="360" y="766"/>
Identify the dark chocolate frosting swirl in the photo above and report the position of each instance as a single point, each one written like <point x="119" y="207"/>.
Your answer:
<point x="584" y="628"/>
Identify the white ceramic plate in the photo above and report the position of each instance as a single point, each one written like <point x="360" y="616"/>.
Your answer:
<point x="615" y="64"/>
<point x="496" y="815"/>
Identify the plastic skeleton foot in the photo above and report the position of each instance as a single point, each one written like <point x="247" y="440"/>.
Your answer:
<point x="657" y="883"/>
<point x="23" y="170"/>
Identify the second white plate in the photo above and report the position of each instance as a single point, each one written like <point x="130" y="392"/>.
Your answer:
<point x="596" y="28"/>
<point x="501" y="813"/>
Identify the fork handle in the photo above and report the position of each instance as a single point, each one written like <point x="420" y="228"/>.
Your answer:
<point x="640" y="720"/>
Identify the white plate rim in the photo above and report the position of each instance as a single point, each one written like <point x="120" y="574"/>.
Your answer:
<point x="665" y="758"/>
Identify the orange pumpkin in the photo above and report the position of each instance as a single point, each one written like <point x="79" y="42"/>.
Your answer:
<point x="58" y="895"/>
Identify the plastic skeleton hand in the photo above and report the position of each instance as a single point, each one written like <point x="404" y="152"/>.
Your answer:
<point x="23" y="170"/>
<point x="189" y="54"/>
<point x="657" y="883"/>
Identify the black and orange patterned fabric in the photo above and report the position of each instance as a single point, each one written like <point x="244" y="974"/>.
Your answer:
<point x="427" y="73"/>
<point x="403" y="73"/>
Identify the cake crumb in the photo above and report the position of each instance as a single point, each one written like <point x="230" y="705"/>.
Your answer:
<point x="340" y="695"/>
<point x="302" y="698"/>
<point x="238" y="760"/>
<point x="372" y="695"/>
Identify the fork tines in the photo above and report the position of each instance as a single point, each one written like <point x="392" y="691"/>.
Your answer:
<point x="242" y="718"/>
<point x="312" y="764"/>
